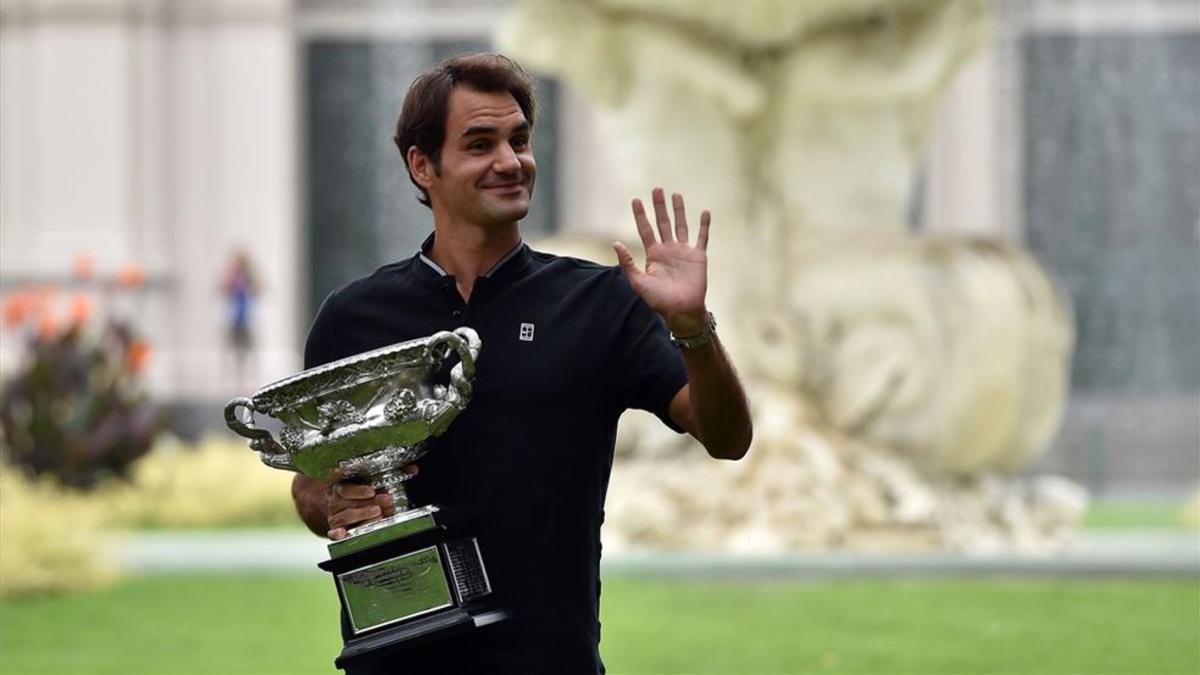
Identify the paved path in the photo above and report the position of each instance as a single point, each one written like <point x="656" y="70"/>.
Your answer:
<point x="1165" y="553"/>
<point x="219" y="550"/>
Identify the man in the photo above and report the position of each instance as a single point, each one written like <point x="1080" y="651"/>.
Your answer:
<point x="567" y="346"/>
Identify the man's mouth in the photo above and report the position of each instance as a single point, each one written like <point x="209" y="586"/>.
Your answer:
<point x="515" y="186"/>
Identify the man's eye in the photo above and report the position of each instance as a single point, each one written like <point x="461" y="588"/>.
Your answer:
<point x="520" y="142"/>
<point x="477" y="145"/>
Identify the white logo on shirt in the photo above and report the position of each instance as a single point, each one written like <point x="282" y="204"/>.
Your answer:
<point x="526" y="334"/>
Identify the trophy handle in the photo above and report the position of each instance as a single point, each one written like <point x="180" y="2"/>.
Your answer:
<point x="466" y="344"/>
<point x="271" y="452"/>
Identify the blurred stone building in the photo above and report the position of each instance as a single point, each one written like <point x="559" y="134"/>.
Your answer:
<point x="171" y="134"/>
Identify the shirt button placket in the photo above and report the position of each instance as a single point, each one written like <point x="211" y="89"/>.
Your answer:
<point x="453" y="299"/>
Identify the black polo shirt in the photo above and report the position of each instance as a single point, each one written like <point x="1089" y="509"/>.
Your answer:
<point x="567" y="347"/>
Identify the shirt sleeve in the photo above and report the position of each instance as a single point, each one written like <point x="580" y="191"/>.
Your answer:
<point x="321" y="346"/>
<point x="647" y="369"/>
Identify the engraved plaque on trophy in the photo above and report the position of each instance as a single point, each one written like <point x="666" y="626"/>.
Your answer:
<point x="418" y="574"/>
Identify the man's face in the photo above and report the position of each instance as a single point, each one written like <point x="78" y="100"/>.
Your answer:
<point x="487" y="168"/>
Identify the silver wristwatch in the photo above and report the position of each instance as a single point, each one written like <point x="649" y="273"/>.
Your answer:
<point x="698" y="340"/>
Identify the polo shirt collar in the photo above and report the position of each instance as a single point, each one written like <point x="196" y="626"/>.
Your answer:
<point x="511" y="264"/>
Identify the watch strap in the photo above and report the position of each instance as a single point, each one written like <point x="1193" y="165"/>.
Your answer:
<point x="698" y="340"/>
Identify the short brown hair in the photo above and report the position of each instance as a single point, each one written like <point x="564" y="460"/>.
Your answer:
<point x="423" y="118"/>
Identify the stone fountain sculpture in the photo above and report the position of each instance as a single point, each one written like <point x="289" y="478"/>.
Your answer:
<point x="899" y="382"/>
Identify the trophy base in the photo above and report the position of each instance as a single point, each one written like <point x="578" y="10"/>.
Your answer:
<point x="410" y="579"/>
<point x="446" y="623"/>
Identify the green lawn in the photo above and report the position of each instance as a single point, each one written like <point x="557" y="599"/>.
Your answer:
<point x="286" y="624"/>
<point x="1133" y="515"/>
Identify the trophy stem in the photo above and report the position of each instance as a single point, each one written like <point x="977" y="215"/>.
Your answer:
<point x="393" y="482"/>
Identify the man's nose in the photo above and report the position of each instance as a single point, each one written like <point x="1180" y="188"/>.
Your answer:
<point x="506" y="161"/>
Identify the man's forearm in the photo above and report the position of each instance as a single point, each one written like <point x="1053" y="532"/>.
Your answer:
<point x="312" y="502"/>
<point x="717" y="401"/>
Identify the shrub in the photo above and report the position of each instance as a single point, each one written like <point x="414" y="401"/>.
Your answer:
<point x="219" y="483"/>
<point x="56" y="538"/>
<point x="75" y="409"/>
<point x="51" y="538"/>
<point x="1189" y="513"/>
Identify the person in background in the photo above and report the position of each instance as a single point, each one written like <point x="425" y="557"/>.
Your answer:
<point x="240" y="288"/>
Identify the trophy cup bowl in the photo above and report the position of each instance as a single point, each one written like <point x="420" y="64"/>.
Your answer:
<point x="365" y="416"/>
<point x="415" y="574"/>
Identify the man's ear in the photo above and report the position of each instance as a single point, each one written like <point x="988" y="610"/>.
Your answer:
<point x="421" y="167"/>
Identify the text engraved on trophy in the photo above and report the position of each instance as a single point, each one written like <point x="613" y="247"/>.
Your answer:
<point x="396" y="589"/>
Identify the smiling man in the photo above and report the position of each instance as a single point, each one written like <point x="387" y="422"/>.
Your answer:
<point x="568" y="345"/>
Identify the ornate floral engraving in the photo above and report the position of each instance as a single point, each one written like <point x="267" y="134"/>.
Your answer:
<point x="402" y="407"/>
<point x="301" y="388"/>
<point x="334" y="414"/>
<point x="349" y="402"/>
<point x="291" y="437"/>
<point x="430" y="410"/>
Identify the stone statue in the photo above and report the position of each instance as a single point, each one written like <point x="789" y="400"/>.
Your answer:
<point x="899" y="381"/>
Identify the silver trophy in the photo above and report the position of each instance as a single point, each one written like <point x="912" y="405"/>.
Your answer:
<point x="417" y="573"/>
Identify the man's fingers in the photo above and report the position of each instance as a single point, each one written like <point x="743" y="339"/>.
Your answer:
<point x="628" y="266"/>
<point x="386" y="503"/>
<point x="410" y="469"/>
<point x="702" y="236"/>
<point x="660" y="215"/>
<point x="681" y="228"/>
<point x="625" y="260"/>
<point x="643" y="224"/>
<point x="338" y="533"/>
<point x="348" y="517"/>
<point x="353" y="490"/>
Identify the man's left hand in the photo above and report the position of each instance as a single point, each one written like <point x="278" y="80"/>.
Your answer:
<point x="676" y="276"/>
